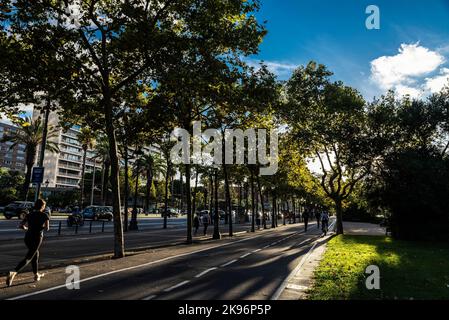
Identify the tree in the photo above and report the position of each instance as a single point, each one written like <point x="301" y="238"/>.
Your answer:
<point x="328" y="122"/>
<point x="10" y="182"/>
<point x="86" y="137"/>
<point x="152" y="165"/>
<point x="29" y="133"/>
<point x="409" y="184"/>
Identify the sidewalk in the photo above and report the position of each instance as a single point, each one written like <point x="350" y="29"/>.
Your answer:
<point x="301" y="278"/>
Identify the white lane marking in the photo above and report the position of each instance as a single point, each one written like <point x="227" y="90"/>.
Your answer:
<point x="228" y="263"/>
<point x="205" y="271"/>
<point x="150" y="297"/>
<point x="257" y="250"/>
<point x="281" y="288"/>
<point x="134" y="267"/>
<point x="266" y="247"/>
<point x="245" y="255"/>
<point x="177" y="286"/>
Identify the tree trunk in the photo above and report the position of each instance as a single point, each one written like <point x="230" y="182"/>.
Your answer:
<point x="107" y="166"/>
<point x="119" y="245"/>
<point x="195" y="190"/>
<point x="211" y="184"/>
<point x="181" y="179"/>
<point x="83" y="172"/>
<point x="148" y="188"/>
<point x="240" y="203"/>
<point x="125" y="223"/>
<point x="228" y="206"/>
<point x="167" y="177"/>
<point x="253" y="209"/>
<point x="133" y="224"/>
<point x="273" y="214"/>
<point x="43" y="144"/>
<point x="30" y="158"/>
<point x="217" y="234"/>
<point x="189" y="204"/>
<point x="246" y="201"/>
<point x="264" y="222"/>
<point x="294" y="210"/>
<point x="339" y="210"/>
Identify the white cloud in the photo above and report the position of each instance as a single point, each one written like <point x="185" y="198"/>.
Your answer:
<point x="411" y="71"/>
<point x="403" y="90"/>
<point x="412" y="61"/>
<point x="278" y="68"/>
<point x="437" y="83"/>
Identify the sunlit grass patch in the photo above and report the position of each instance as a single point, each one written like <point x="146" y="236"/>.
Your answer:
<point x="408" y="270"/>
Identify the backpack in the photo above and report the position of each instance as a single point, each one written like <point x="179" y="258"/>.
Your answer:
<point x="205" y="218"/>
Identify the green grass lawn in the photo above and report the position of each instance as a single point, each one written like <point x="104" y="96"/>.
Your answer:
<point x="408" y="270"/>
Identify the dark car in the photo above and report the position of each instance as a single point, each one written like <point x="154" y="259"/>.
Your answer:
<point x="20" y="209"/>
<point x="97" y="213"/>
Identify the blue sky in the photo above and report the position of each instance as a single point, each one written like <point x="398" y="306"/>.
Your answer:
<point x="333" y="33"/>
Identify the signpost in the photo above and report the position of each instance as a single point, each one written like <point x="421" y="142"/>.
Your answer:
<point x="38" y="175"/>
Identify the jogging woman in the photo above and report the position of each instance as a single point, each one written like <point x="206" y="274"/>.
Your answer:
<point x="34" y="223"/>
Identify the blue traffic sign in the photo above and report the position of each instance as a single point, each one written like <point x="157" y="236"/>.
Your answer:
<point x="38" y="175"/>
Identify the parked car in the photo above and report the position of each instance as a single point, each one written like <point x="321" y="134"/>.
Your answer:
<point x="97" y="213"/>
<point x="20" y="209"/>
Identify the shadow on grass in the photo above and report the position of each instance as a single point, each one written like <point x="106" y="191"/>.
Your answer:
<point x="408" y="270"/>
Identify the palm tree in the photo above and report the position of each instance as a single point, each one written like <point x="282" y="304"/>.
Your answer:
<point x="139" y="166"/>
<point x="166" y="145"/>
<point x="86" y="137"/>
<point x="151" y="164"/>
<point x="29" y="133"/>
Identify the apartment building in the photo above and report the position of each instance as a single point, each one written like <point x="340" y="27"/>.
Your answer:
<point x="14" y="158"/>
<point x="63" y="169"/>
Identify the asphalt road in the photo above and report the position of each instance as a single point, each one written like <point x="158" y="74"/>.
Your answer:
<point x="250" y="266"/>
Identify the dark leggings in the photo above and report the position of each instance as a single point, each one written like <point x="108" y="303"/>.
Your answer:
<point x="33" y="244"/>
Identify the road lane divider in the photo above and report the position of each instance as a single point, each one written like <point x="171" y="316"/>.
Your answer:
<point x="205" y="272"/>
<point x="228" y="263"/>
<point x="177" y="286"/>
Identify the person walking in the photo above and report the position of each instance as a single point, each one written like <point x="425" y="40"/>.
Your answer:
<point x="196" y="224"/>
<point x="34" y="223"/>
<point x="305" y="218"/>
<point x="206" y="221"/>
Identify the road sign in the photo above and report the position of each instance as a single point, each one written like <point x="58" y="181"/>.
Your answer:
<point x="38" y="175"/>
